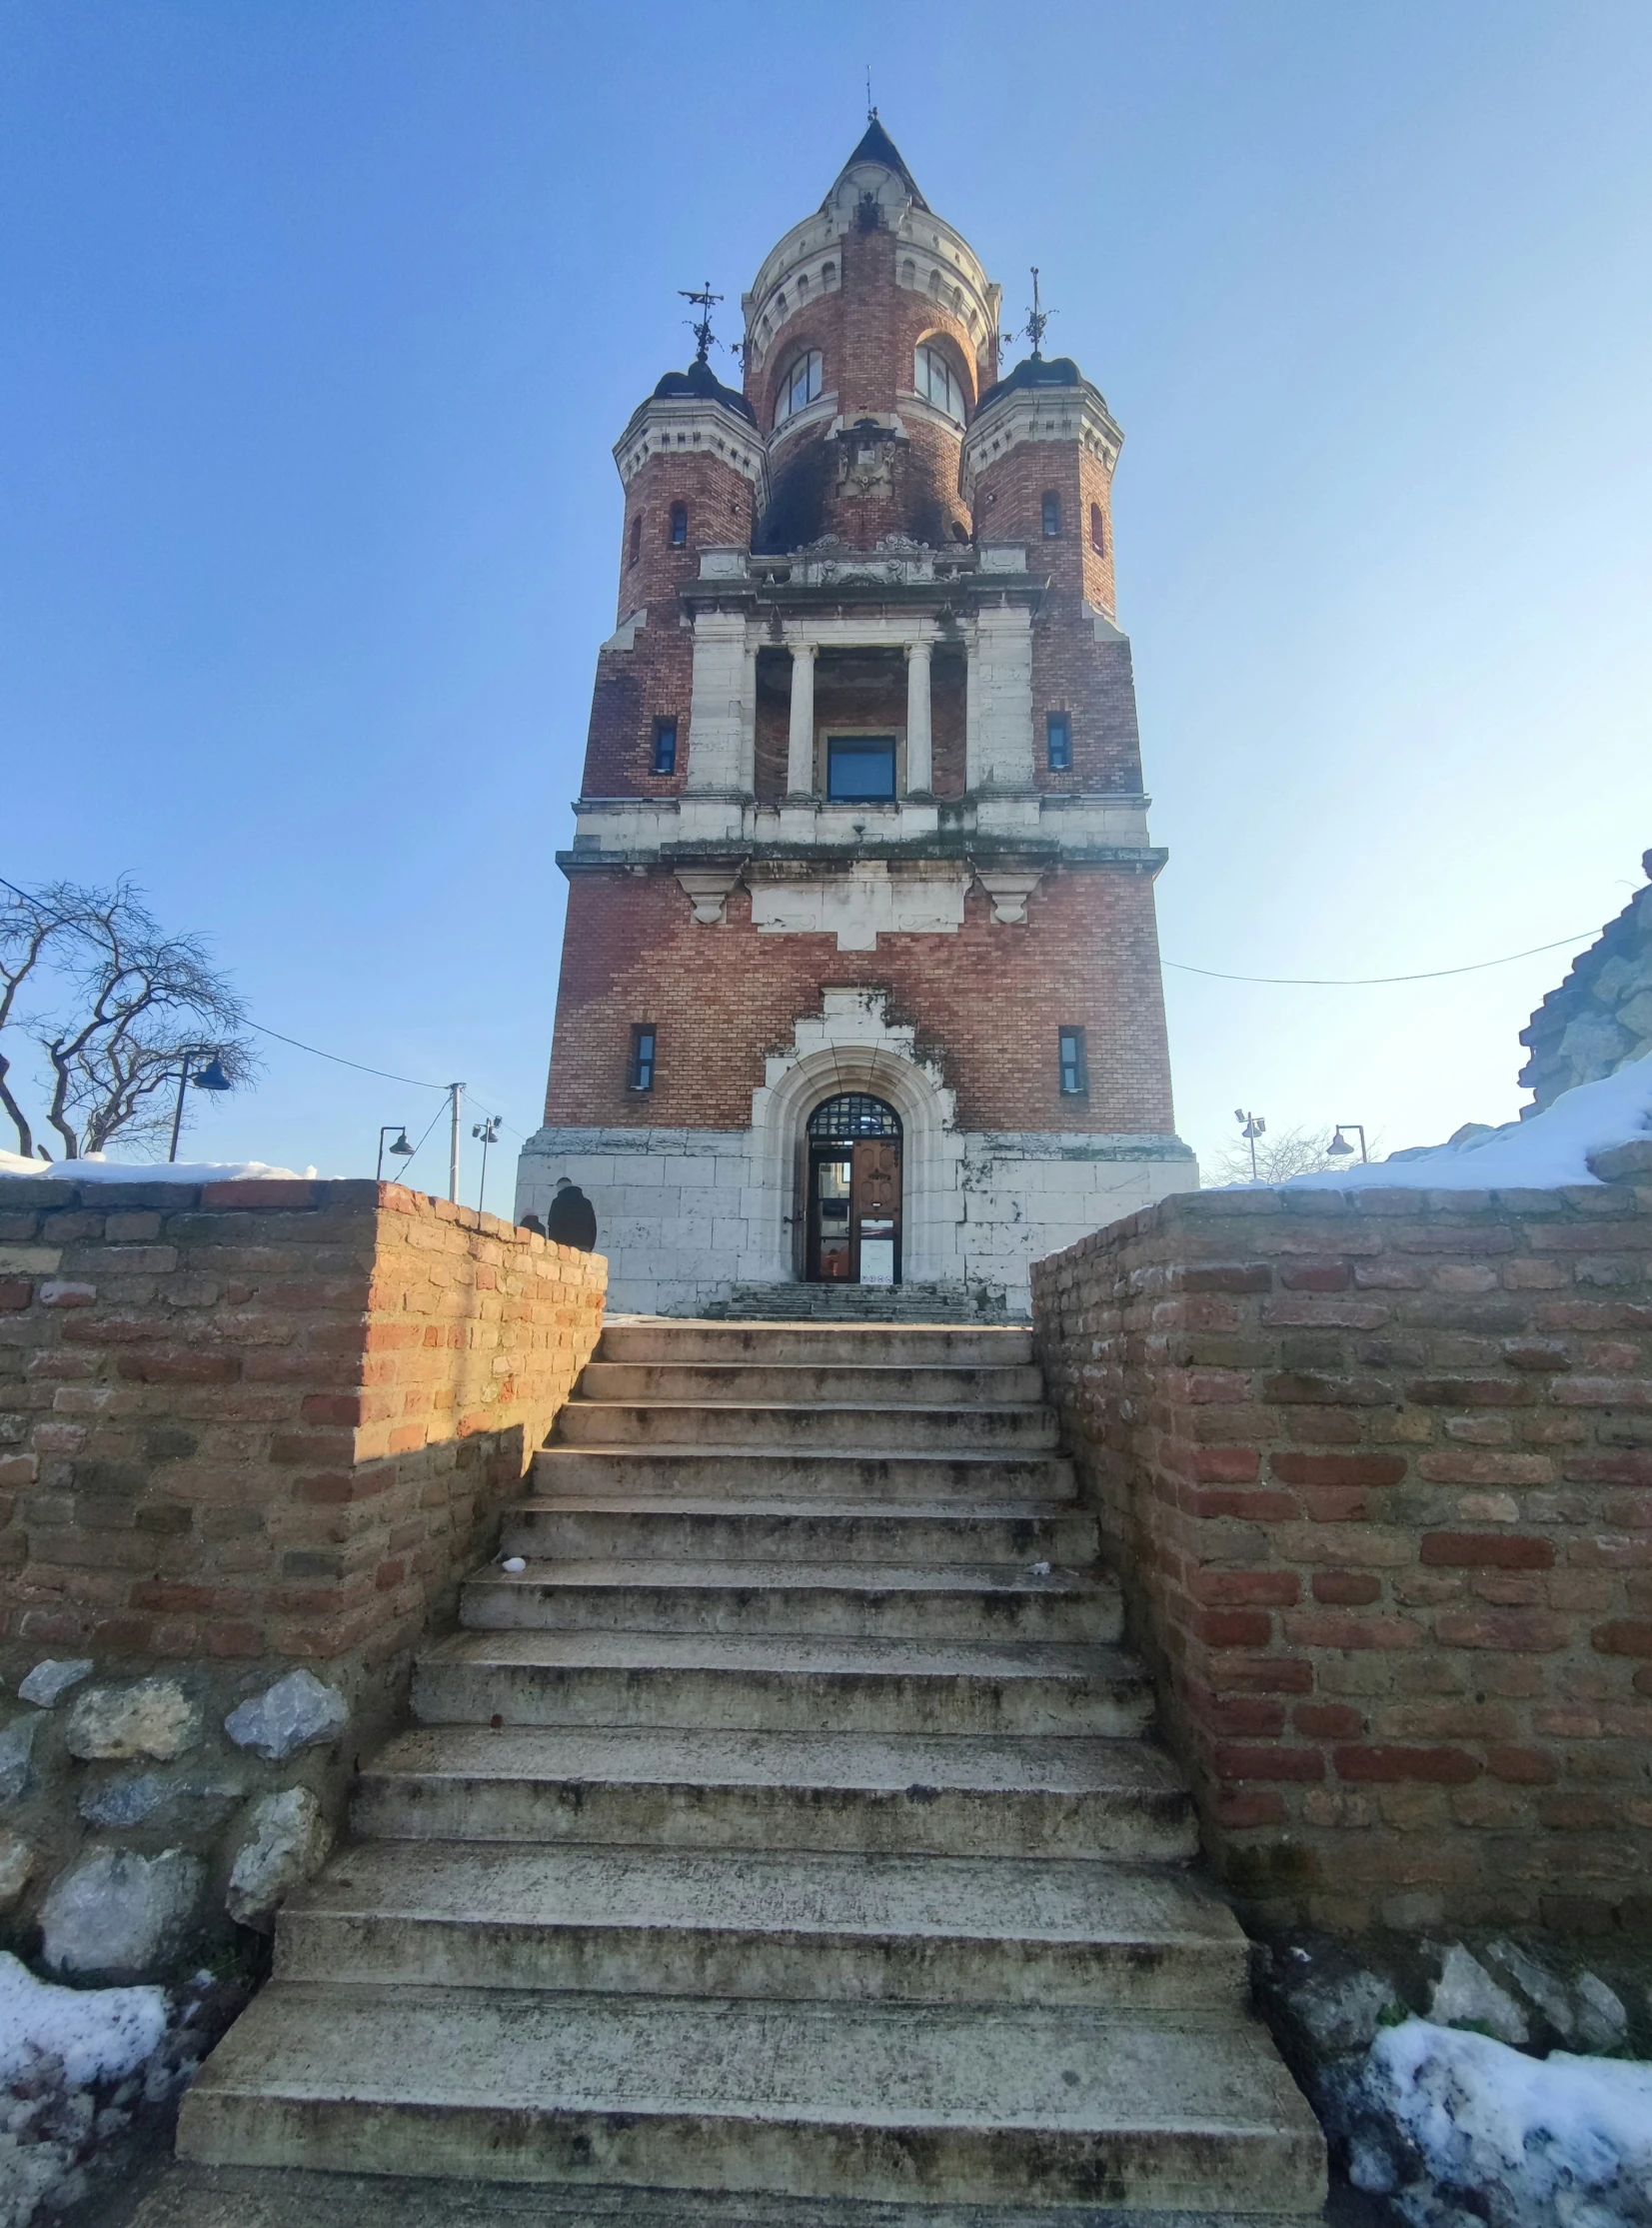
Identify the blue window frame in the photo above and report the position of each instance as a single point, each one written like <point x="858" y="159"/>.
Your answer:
<point x="861" y="768"/>
<point x="642" y="1056"/>
<point x="1052" y="512"/>
<point x="1075" y="1076"/>
<point x="680" y="526"/>
<point x="664" y="745"/>
<point x="1059" y="741"/>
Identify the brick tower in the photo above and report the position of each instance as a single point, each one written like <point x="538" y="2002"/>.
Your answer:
<point x="860" y="979"/>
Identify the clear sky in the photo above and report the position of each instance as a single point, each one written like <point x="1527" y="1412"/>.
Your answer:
<point x="320" y="316"/>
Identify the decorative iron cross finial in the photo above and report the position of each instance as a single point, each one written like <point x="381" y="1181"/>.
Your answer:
<point x="1036" y="319"/>
<point x="871" y="113"/>
<point x="705" y="301"/>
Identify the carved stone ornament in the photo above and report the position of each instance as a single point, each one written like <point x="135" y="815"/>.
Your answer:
<point x="1009" y="892"/>
<point x="706" y="889"/>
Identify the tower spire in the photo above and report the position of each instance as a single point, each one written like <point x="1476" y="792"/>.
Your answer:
<point x="1037" y="318"/>
<point x="705" y="301"/>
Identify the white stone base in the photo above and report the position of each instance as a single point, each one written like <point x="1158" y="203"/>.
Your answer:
<point x="683" y="1216"/>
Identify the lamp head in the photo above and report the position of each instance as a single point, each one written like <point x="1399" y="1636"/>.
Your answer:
<point x="1338" y="1145"/>
<point x="400" y="1146"/>
<point x="212" y="1077"/>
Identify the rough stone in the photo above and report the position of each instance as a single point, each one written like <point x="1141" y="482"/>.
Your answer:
<point x="122" y="1803"/>
<point x="1343" y="2014"/>
<point x="297" y="1713"/>
<point x="1465" y="1994"/>
<point x="290" y="1838"/>
<point x="48" y="1682"/>
<point x="17" y="1862"/>
<point x="154" y="1717"/>
<point x="118" y="1915"/>
<point x="1602" y="2021"/>
<point x="1541" y="1989"/>
<point x="15" y="1744"/>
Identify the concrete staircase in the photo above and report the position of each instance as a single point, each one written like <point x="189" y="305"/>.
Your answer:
<point x="790" y="1824"/>
<point x="919" y="1304"/>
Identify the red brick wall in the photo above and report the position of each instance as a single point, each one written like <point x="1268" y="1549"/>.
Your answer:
<point x="987" y="1002"/>
<point x="267" y="1420"/>
<point x="1376" y="1470"/>
<point x="1009" y="496"/>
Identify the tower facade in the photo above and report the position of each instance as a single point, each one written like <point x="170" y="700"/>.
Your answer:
<point x="861" y="976"/>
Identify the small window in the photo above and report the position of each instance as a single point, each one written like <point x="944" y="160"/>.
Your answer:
<point x="800" y="386"/>
<point x="1075" y="1077"/>
<point x="1059" y="737"/>
<point x="664" y="745"/>
<point x="680" y="526"/>
<point x="1053" y="517"/>
<point x="861" y="768"/>
<point x="635" y="538"/>
<point x="937" y="383"/>
<point x="642" y="1056"/>
<point x="1099" y="531"/>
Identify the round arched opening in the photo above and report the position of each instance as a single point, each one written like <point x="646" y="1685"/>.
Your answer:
<point x="854" y="1191"/>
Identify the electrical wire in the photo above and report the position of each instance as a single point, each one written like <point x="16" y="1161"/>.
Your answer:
<point x="1365" y="981"/>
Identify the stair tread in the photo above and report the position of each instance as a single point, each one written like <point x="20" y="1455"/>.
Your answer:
<point x="794" y="1577"/>
<point x="976" y="1410"/>
<point x="1019" y="1510"/>
<point x="793" y="1892"/>
<point x="879" y="1763"/>
<point x="741" y="1653"/>
<point x="866" y="2065"/>
<point x="710" y="1450"/>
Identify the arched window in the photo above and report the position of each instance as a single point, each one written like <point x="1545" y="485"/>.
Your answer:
<point x="937" y="383"/>
<point x="680" y="526"/>
<point x="799" y="386"/>
<point x="1099" y="531"/>
<point x="854" y="1114"/>
<point x="636" y="539"/>
<point x="1051" y="516"/>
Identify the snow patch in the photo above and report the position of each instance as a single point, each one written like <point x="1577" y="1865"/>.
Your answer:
<point x="1529" y="2142"/>
<point x="1552" y="1149"/>
<point x="99" y="2033"/>
<point x="96" y="1170"/>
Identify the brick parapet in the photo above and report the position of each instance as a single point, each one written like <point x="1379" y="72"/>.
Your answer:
<point x="1376" y="1468"/>
<point x="268" y="1421"/>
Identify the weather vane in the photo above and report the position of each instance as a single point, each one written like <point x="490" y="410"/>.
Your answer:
<point x="871" y="113"/>
<point x="1036" y="319"/>
<point x="705" y="301"/>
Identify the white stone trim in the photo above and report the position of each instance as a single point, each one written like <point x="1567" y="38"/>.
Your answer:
<point x="1038" y="414"/>
<point x="624" y="636"/>
<point x="858" y="903"/>
<point x="630" y="828"/>
<point x="693" y="425"/>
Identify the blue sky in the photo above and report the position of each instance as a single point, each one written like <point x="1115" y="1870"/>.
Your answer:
<point x="320" y="319"/>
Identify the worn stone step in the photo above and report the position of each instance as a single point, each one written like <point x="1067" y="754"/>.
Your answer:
<point x="880" y="2100"/>
<point x="906" y="1345"/>
<point x="816" y="1928"/>
<point x="872" y="1431"/>
<point x="760" y="1684"/>
<point x="731" y="1530"/>
<point x="958" y="1601"/>
<point x="801" y="1474"/>
<point x="974" y="1796"/>
<point x="819" y="1384"/>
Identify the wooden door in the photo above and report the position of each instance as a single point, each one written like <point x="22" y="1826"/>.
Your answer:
<point x="876" y="1203"/>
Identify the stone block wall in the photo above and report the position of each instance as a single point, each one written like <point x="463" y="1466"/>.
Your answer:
<point x="245" y="1430"/>
<point x="1600" y="1018"/>
<point x="1375" y="1469"/>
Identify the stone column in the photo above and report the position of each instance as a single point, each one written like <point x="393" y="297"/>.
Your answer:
<point x="972" y="711"/>
<point x="800" y="754"/>
<point x="919" y="771"/>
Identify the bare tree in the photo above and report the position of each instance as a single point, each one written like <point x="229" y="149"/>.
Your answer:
<point x="132" y="1005"/>
<point x="28" y="923"/>
<point x="1281" y="1154"/>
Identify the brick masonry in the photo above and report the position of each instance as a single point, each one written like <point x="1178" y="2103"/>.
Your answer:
<point x="251" y="1428"/>
<point x="1376" y="1470"/>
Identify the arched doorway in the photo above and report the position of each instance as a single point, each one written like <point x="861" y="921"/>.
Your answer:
<point x="854" y="1191"/>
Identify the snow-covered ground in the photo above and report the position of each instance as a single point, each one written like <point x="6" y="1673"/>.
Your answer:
<point x="1489" y="2136"/>
<point x="1553" y="1148"/>
<point x="96" y="1170"/>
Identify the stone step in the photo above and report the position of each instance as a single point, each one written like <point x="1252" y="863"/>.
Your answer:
<point x="816" y="1928"/>
<point x="801" y="1474"/>
<point x="957" y="1601"/>
<point x="908" y="1346"/>
<point x="817" y="1384"/>
<point x="731" y="1530"/>
<point x="928" y="2101"/>
<point x="870" y="1430"/>
<point x="930" y="1303"/>
<point x="717" y="1683"/>
<point x="973" y="1796"/>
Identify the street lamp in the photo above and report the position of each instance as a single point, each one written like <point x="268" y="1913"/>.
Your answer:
<point x="488" y="1132"/>
<point x="1339" y="1145"/>
<point x="211" y="1077"/>
<point x="1251" y="1127"/>
<point x="401" y="1147"/>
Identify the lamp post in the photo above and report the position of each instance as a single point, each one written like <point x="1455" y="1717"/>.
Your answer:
<point x="488" y="1132"/>
<point x="402" y="1149"/>
<point x="1339" y="1145"/>
<point x="211" y="1077"/>
<point x="1251" y="1127"/>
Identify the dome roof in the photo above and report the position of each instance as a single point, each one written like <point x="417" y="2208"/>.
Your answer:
<point x="700" y="383"/>
<point x="1034" y="371"/>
